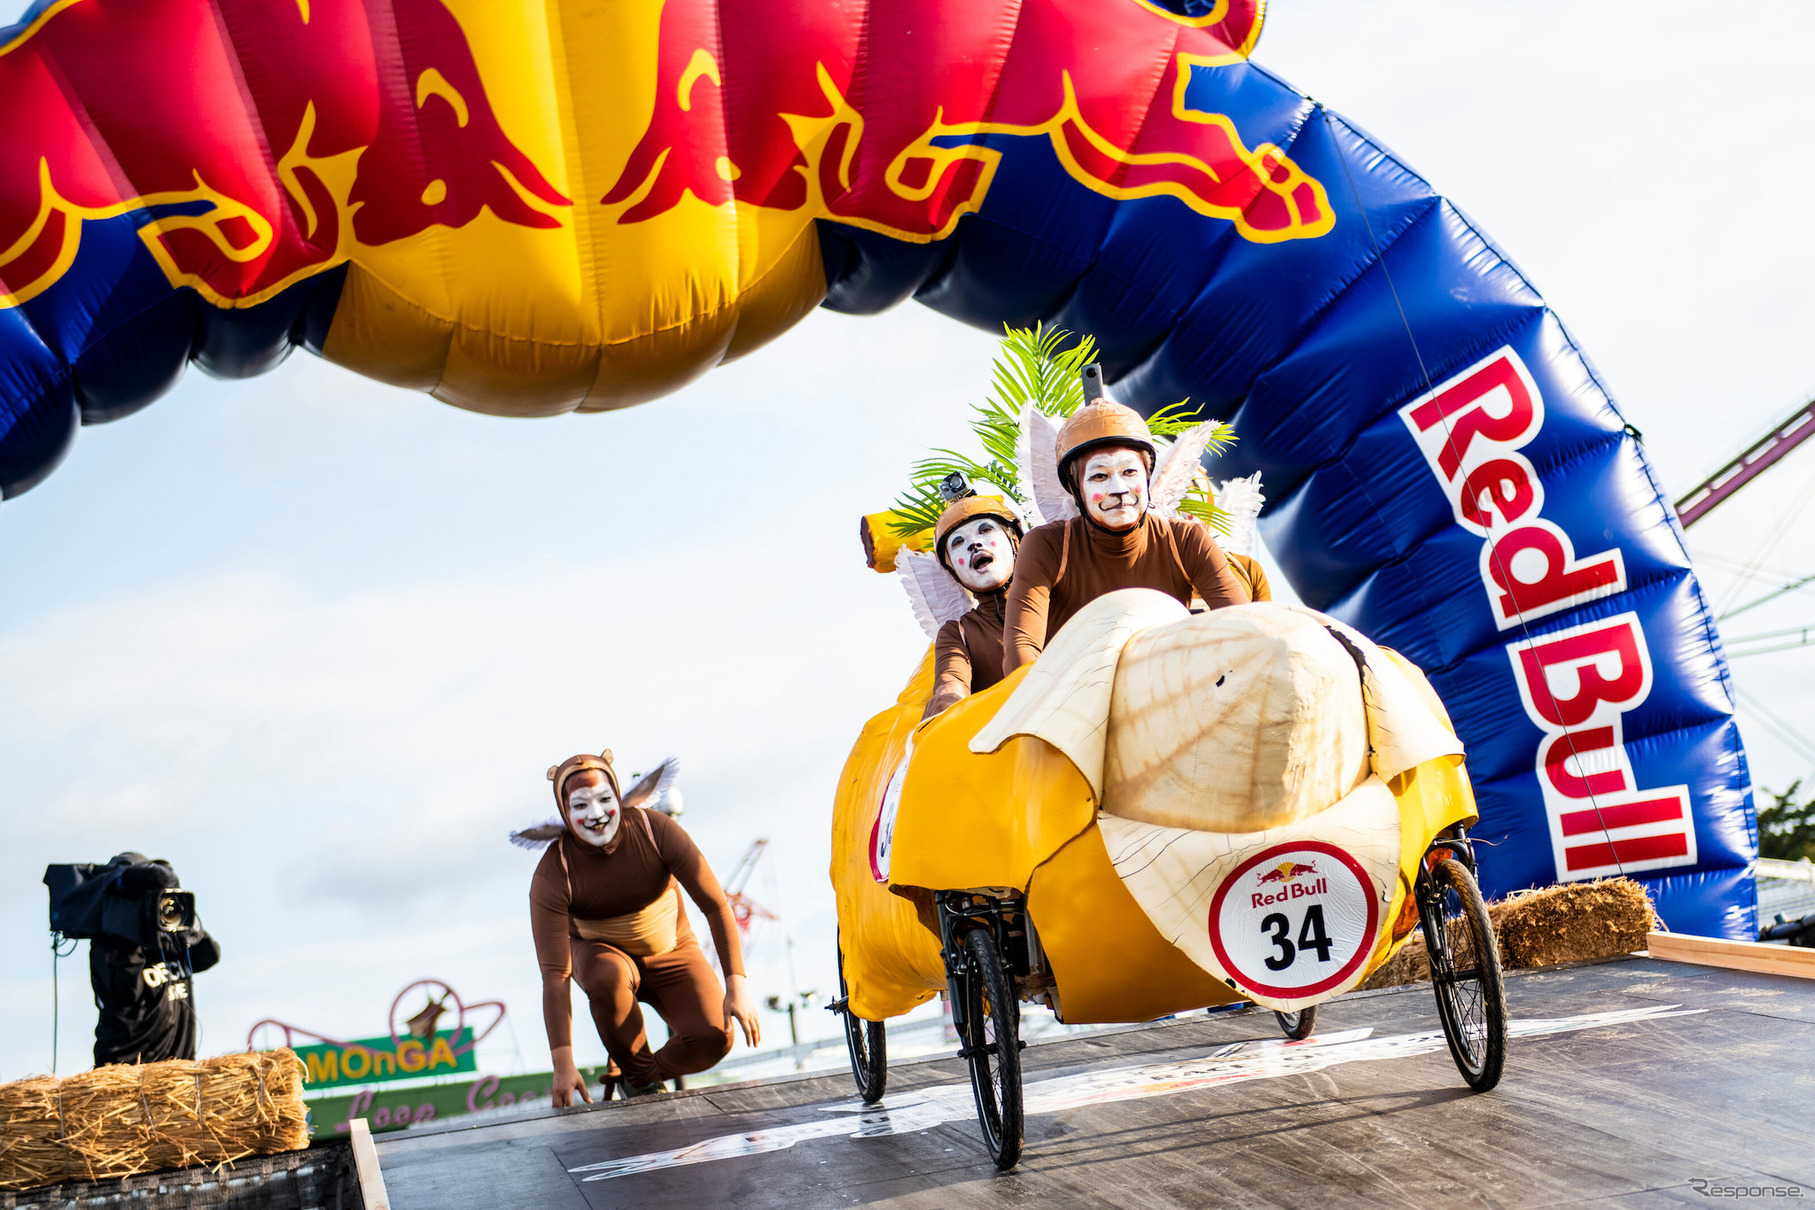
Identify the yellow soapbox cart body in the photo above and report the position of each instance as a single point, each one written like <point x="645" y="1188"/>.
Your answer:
<point x="1026" y="843"/>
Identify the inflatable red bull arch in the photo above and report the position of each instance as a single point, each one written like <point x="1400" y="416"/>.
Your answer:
<point x="527" y="207"/>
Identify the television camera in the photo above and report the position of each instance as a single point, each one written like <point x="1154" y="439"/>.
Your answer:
<point x="130" y="898"/>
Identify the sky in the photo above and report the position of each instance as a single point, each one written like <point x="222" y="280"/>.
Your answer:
<point x="315" y="640"/>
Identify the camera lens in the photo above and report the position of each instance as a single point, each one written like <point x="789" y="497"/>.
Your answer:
<point x="175" y="911"/>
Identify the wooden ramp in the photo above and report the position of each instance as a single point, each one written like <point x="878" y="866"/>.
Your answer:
<point x="1631" y="1082"/>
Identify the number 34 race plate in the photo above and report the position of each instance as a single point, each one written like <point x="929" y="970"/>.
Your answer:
<point x="1294" y="920"/>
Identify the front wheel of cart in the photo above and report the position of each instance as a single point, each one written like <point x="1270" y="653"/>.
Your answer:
<point x="867" y="1042"/>
<point x="992" y="1044"/>
<point x="1465" y="972"/>
<point x="1298" y="1026"/>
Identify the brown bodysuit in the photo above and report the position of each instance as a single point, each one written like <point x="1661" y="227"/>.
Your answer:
<point x="1065" y="565"/>
<point x="1251" y="575"/>
<point x="643" y="862"/>
<point x="967" y="655"/>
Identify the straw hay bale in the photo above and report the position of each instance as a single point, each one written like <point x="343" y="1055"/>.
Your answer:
<point x="1570" y="923"/>
<point x="124" y="1119"/>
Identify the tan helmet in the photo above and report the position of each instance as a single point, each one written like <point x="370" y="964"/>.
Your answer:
<point x="1101" y="422"/>
<point x="969" y="509"/>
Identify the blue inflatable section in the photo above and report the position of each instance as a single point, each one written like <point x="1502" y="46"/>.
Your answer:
<point x="111" y="336"/>
<point x="1445" y="470"/>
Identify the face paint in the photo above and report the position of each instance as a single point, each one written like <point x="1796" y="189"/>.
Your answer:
<point x="1115" y="487"/>
<point x="981" y="554"/>
<point x="592" y="809"/>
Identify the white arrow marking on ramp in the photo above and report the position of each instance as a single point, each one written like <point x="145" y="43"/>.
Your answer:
<point x="1263" y="1060"/>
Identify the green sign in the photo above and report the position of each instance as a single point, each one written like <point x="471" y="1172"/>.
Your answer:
<point x="395" y="1108"/>
<point x="375" y="1060"/>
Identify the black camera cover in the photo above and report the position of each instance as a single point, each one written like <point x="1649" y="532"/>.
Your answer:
<point x="118" y="899"/>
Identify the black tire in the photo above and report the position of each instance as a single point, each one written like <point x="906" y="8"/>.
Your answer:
<point x="1297" y="1026"/>
<point x="1465" y="973"/>
<point x="868" y="1042"/>
<point x="992" y="1043"/>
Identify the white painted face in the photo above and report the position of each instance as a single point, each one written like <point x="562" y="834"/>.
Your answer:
<point x="1114" y="487"/>
<point x="593" y="811"/>
<point x="981" y="554"/>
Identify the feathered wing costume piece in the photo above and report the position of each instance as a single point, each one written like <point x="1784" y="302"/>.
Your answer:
<point x="935" y="596"/>
<point x="1177" y="465"/>
<point x="1037" y="453"/>
<point x="654" y="784"/>
<point x="1241" y="500"/>
<point x="649" y="790"/>
<point x="538" y="836"/>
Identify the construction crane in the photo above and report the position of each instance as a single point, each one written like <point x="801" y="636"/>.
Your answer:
<point x="1720" y="487"/>
<point x="1716" y="489"/>
<point x="1757" y="458"/>
<point x="743" y="908"/>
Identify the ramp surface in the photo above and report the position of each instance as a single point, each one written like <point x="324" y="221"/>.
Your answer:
<point x="1627" y="1083"/>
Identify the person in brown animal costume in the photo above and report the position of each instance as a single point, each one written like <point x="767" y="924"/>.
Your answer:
<point x="605" y="912"/>
<point x="1105" y="459"/>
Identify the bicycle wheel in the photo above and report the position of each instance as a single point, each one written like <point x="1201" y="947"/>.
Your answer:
<point x="1465" y="973"/>
<point x="1297" y="1026"/>
<point x="868" y="1043"/>
<point x="992" y="1043"/>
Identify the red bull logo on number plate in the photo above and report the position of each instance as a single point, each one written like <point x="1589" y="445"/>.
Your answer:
<point x="1287" y="871"/>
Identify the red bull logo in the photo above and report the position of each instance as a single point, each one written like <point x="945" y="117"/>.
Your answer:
<point x="1288" y="871"/>
<point x="772" y="114"/>
<point x="262" y="142"/>
<point x="1577" y="684"/>
<point x="1286" y="875"/>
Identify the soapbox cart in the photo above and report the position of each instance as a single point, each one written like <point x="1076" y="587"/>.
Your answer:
<point x="1047" y="841"/>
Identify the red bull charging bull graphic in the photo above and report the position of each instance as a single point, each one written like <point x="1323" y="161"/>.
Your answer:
<point x="246" y="195"/>
<point x="908" y="151"/>
<point x="530" y="207"/>
<point x="1286" y="872"/>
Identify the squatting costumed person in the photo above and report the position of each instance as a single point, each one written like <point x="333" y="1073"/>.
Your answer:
<point x="1105" y="458"/>
<point x="605" y="911"/>
<point x="975" y="540"/>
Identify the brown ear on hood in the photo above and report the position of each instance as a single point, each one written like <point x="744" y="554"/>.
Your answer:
<point x="654" y="783"/>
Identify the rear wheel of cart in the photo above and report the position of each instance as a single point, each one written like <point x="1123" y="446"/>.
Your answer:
<point x="1298" y="1026"/>
<point x="1465" y="972"/>
<point x="867" y="1042"/>
<point x="992" y="1043"/>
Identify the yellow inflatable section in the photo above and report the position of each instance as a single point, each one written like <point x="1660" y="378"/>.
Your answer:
<point x="891" y="960"/>
<point x="1024" y="819"/>
<point x="576" y="91"/>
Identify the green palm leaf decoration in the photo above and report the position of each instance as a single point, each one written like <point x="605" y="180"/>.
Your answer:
<point x="1035" y="365"/>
